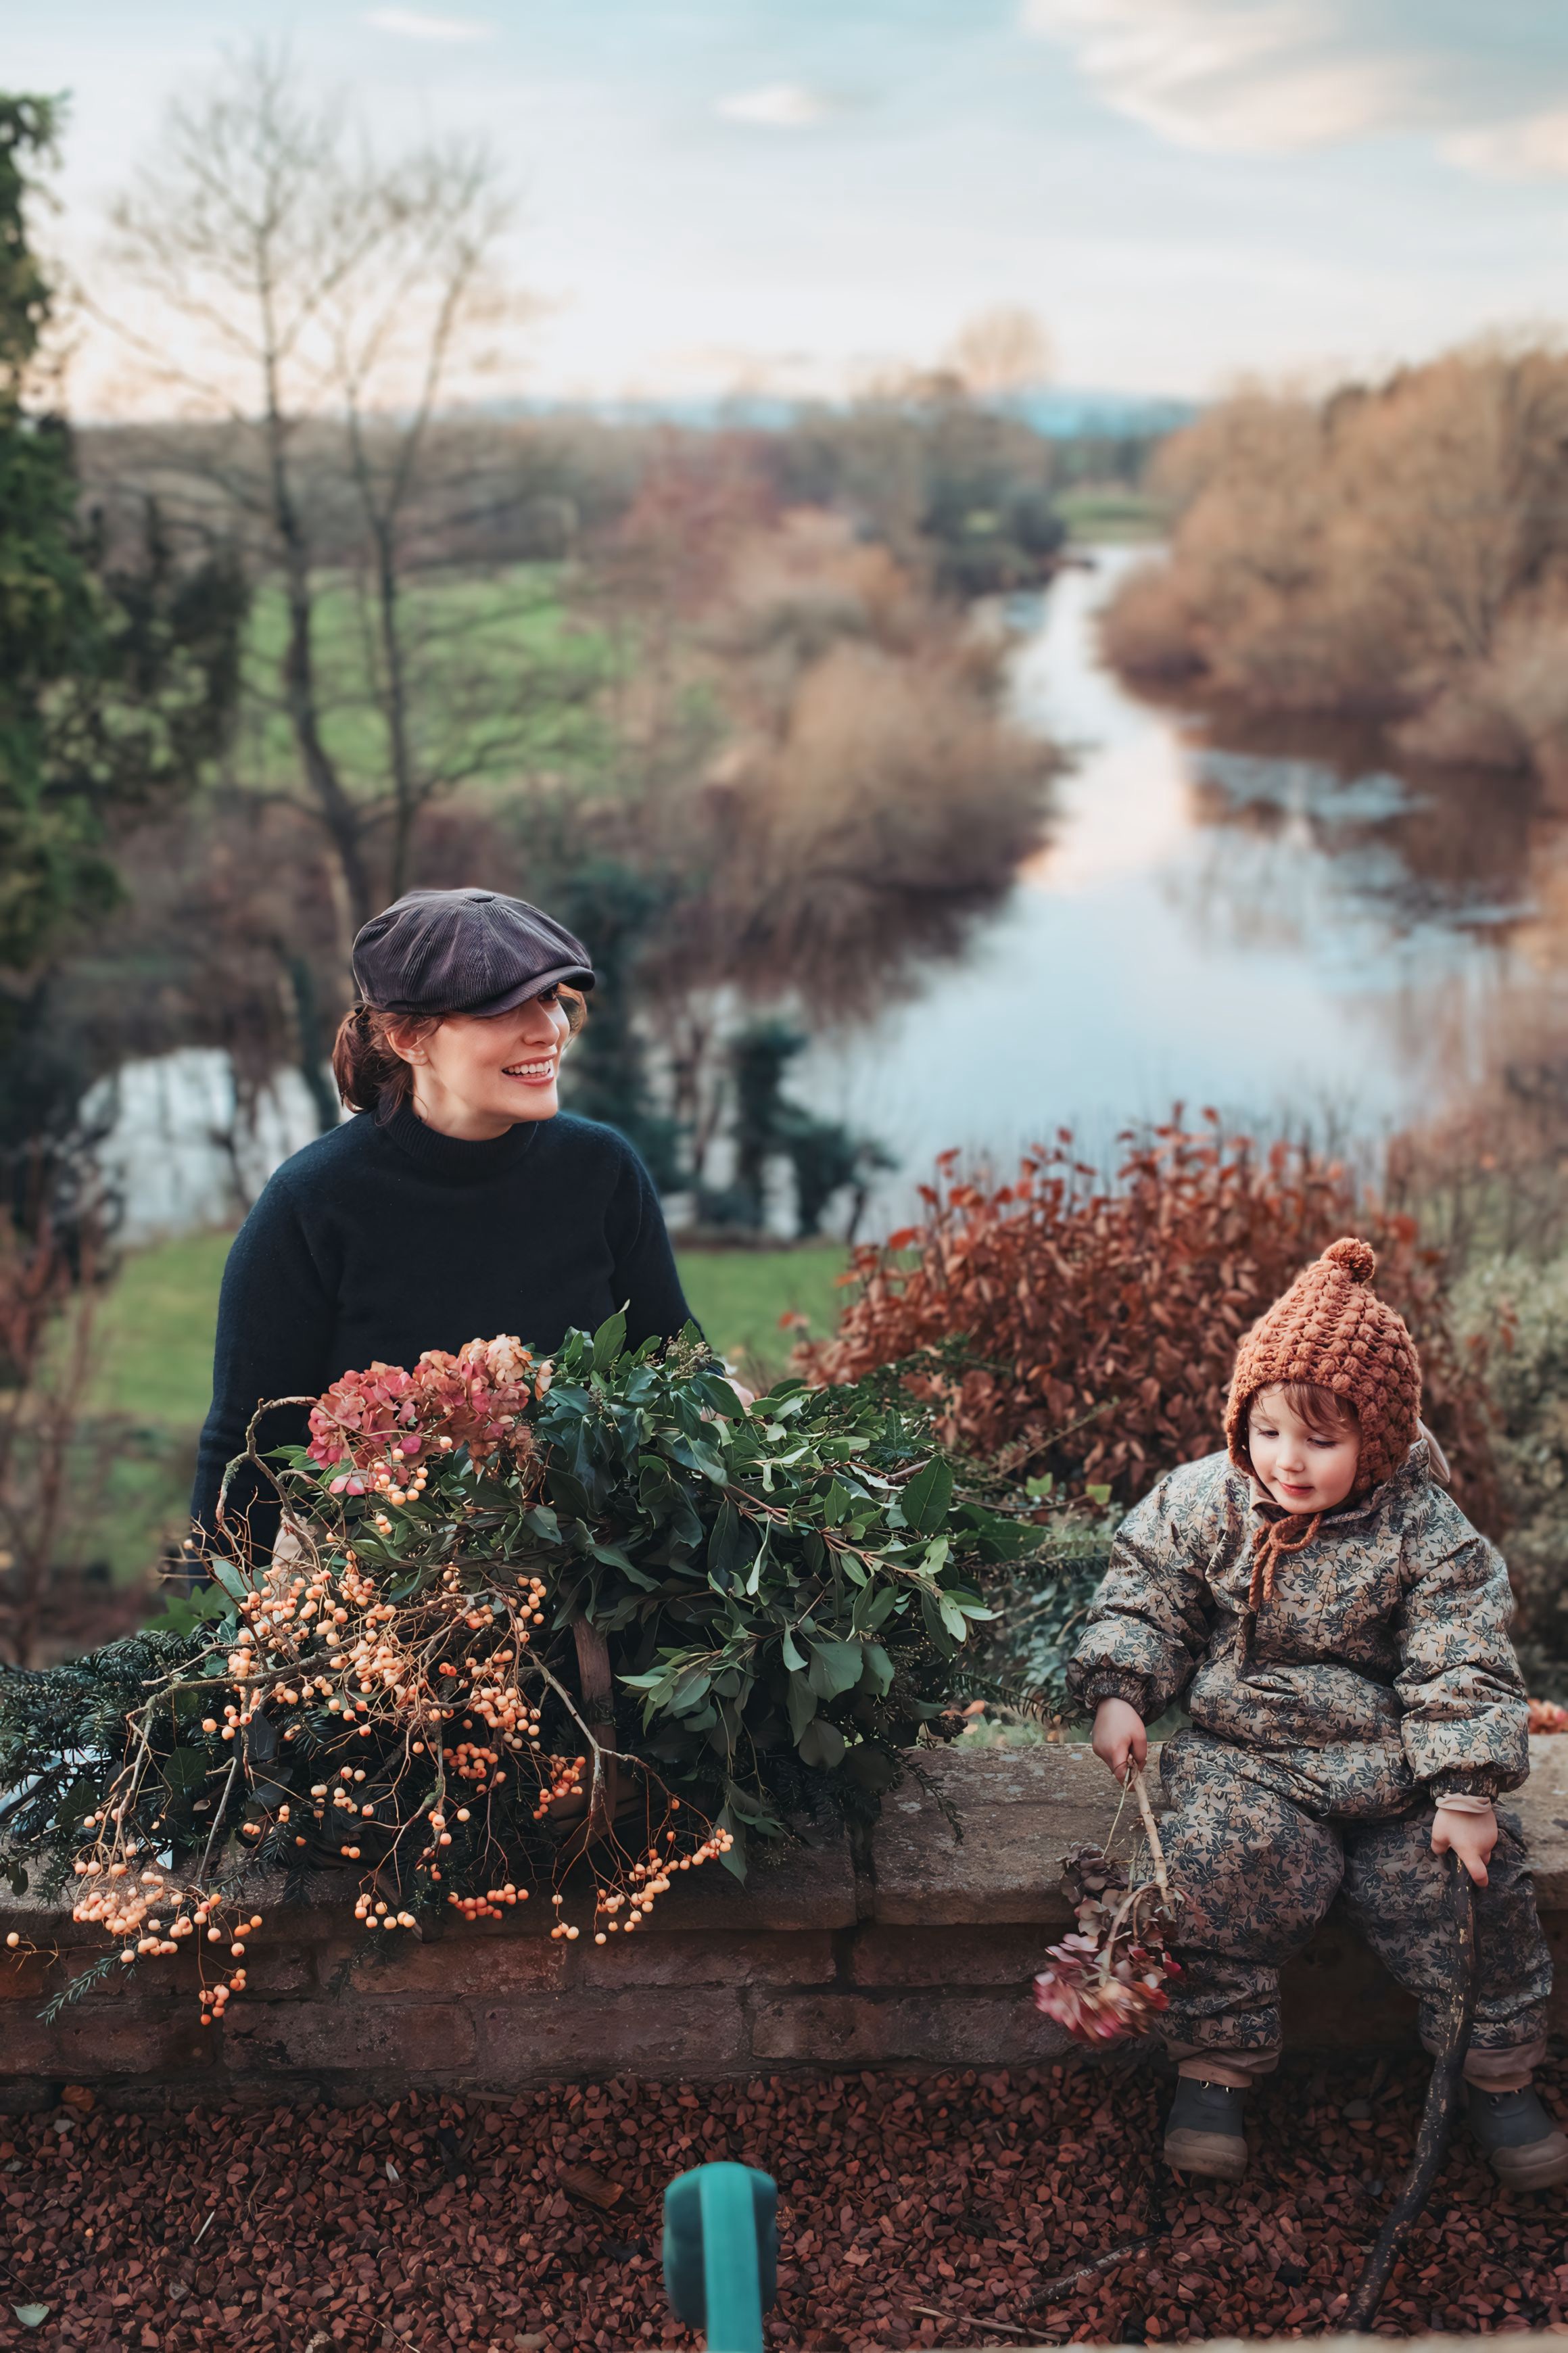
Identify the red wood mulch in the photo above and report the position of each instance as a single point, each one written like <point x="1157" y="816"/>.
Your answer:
<point x="286" y="2227"/>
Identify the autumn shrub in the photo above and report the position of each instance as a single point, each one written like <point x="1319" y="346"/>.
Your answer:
<point x="1527" y="1301"/>
<point x="1398" y="550"/>
<point x="1083" y="1329"/>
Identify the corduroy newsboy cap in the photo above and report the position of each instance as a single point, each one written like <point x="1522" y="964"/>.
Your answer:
<point x="468" y="951"/>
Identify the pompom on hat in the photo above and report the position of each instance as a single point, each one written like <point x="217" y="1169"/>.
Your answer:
<point x="1330" y="1328"/>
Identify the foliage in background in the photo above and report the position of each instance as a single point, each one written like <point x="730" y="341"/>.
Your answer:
<point x="115" y="685"/>
<point x="1019" y="1662"/>
<point x="511" y="1587"/>
<point x="1525" y="1306"/>
<point x="71" y="1469"/>
<point x="1399" y="549"/>
<point x="1086" y="1330"/>
<point x="825" y="1157"/>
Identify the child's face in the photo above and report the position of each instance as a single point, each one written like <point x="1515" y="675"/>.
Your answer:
<point x="1301" y="1469"/>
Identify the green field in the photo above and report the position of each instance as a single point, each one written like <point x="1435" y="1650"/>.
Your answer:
<point x="1111" y="513"/>
<point x="156" y="1328"/>
<point x="501" y="677"/>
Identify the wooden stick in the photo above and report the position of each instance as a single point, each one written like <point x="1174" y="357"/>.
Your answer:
<point x="1091" y="2268"/>
<point x="968" y="2320"/>
<point x="1437" y="2116"/>
<point x="1141" y="1791"/>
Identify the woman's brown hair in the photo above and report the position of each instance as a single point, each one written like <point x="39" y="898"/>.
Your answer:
<point x="372" y="1075"/>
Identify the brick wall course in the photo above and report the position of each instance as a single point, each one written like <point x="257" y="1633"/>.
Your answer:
<point x="911" y="1946"/>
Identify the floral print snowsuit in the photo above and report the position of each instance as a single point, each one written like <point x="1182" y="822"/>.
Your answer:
<point x="1379" y="1678"/>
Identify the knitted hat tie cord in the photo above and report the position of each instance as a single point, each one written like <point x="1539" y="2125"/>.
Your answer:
<point x="1268" y="1545"/>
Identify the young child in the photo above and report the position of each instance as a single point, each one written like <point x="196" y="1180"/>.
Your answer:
<point x="1340" y="1634"/>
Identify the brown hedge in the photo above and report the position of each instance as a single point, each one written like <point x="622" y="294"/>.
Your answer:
<point x="1087" y="1328"/>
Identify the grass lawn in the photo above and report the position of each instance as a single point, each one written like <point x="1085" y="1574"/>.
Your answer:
<point x="155" y="1327"/>
<point x="1109" y="513"/>
<point x="498" y="642"/>
<point x="737" y="1296"/>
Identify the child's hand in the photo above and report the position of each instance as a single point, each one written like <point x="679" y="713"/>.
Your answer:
<point x="1470" y="1836"/>
<point x="1119" y="1734"/>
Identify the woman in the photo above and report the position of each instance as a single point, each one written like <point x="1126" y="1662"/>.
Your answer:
<point x="461" y="1201"/>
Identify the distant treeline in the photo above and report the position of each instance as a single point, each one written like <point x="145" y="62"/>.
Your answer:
<point x="1398" y="550"/>
<point x="934" y="476"/>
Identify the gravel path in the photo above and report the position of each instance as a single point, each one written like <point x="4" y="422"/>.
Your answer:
<point x="914" y="2211"/>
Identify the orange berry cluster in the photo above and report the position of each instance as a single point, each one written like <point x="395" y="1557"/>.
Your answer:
<point x="488" y="1906"/>
<point x="374" y="1912"/>
<point x="567" y="1783"/>
<point x="650" y="1879"/>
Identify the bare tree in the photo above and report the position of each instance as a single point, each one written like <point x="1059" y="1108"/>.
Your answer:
<point x="1001" y="351"/>
<point x="315" y="306"/>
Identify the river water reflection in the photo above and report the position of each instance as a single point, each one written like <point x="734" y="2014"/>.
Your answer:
<point x="1298" y="937"/>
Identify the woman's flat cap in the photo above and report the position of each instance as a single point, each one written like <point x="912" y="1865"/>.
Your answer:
<point x="467" y="951"/>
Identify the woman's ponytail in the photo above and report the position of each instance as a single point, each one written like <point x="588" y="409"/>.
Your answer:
<point x="370" y="1074"/>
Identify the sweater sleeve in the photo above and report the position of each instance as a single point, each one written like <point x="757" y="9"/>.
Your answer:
<point x="274" y="1327"/>
<point x="1148" y="1623"/>
<point x="645" y="1275"/>
<point x="1466" y="1724"/>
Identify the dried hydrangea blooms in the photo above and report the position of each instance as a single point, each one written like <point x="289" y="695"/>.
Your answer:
<point x="1106" y="1980"/>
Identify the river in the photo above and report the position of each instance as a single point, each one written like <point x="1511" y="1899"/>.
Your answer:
<point x="1290" y="930"/>
<point x="1298" y="935"/>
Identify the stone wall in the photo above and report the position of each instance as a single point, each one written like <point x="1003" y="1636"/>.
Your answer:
<point x="913" y="1946"/>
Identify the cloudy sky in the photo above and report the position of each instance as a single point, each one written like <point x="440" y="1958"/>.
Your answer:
<point x="799" y="191"/>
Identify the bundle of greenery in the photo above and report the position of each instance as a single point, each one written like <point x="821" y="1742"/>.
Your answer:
<point x="558" y="1631"/>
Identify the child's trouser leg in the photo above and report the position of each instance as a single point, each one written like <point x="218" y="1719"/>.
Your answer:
<point x="1258" y="1875"/>
<point x="1395" y="1890"/>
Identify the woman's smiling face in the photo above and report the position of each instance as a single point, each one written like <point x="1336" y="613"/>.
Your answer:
<point x="1303" y="1468"/>
<point x="475" y="1076"/>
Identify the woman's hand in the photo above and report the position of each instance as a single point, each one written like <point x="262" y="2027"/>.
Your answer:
<point x="1119" y="1735"/>
<point x="1469" y="1836"/>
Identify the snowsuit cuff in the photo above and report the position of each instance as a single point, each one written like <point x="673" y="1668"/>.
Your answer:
<point x="1464" y="1781"/>
<point x="1464" y="1805"/>
<point x="1114" y="1682"/>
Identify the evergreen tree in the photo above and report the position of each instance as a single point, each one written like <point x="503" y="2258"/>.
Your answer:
<point x="115" y="684"/>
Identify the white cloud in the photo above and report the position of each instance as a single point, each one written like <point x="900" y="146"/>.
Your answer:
<point x="1531" y="147"/>
<point x="414" y="24"/>
<point x="778" y="106"/>
<point x="1240" y="77"/>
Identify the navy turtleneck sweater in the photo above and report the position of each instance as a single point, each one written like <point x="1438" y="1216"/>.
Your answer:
<point x="381" y="1240"/>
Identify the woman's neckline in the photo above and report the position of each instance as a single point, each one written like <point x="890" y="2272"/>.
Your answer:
<point x="453" y="1157"/>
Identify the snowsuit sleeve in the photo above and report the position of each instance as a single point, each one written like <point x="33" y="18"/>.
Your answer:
<point x="1149" y="1622"/>
<point x="1467" y="1722"/>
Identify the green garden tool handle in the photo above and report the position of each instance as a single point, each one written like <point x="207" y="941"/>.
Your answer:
<point x="720" y="2253"/>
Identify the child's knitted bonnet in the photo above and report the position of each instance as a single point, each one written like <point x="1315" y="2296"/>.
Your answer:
<point x="1329" y="1328"/>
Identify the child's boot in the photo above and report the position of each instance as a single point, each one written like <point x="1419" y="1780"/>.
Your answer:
<point x="1528" y="2151"/>
<point x="1202" y="2131"/>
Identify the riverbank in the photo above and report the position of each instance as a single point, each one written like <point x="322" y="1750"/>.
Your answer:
<point x="1392" y="554"/>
